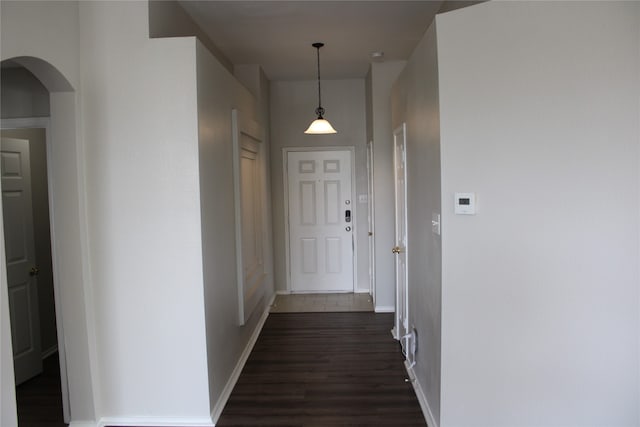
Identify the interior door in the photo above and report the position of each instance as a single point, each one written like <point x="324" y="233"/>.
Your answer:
<point x="20" y="253"/>
<point x="400" y="248"/>
<point x="321" y="221"/>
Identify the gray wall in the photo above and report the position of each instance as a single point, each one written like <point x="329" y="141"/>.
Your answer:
<point x="22" y="94"/>
<point x="218" y="93"/>
<point x="292" y="110"/>
<point x="540" y="290"/>
<point x="168" y="19"/>
<point x="141" y="168"/>
<point x="255" y="80"/>
<point x="382" y="76"/>
<point x="415" y="101"/>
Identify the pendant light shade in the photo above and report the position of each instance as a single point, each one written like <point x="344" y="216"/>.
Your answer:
<point x="320" y="125"/>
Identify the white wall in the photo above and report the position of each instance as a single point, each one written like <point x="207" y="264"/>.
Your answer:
<point x="540" y="117"/>
<point x="292" y="110"/>
<point x="415" y="102"/>
<point x="218" y="93"/>
<point x="145" y="130"/>
<point x="139" y="115"/>
<point x="44" y="36"/>
<point x="382" y="76"/>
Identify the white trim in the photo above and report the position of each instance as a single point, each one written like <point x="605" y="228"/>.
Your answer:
<point x="287" y="250"/>
<point x="401" y="324"/>
<point x="150" y="422"/>
<point x="50" y="351"/>
<point x="242" y="125"/>
<point x="357" y="291"/>
<point x="385" y="309"/>
<point x="83" y="424"/>
<point x="86" y="269"/>
<point x="28" y="122"/>
<point x="422" y="399"/>
<point x="233" y="379"/>
<point x="371" y="217"/>
<point x="45" y="123"/>
<point x="285" y="182"/>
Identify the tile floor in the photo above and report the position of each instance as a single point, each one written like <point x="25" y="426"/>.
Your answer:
<point x="304" y="303"/>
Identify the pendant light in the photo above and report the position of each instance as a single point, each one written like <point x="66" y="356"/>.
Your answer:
<point x="320" y="125"/>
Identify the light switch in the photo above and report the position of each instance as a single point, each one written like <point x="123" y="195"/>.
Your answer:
<point x="465" y="204"/>
<point x="363" y="198"/>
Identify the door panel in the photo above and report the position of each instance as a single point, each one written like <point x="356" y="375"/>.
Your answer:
<point x="250" y="206"/>
<point x="320" y="237"/>
<point x="308" y="206"/>
<point x="309" y="256"/>
<point x="20" y="254"/>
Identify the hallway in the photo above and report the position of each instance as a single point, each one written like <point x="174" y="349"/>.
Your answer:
<point x="324" y="369"/>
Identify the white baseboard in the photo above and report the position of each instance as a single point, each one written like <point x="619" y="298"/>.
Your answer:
<point x="48" y="352"/>
<point x="385" y="309"/>
<point x="228" y="388"/>
<point x="151" y="422"/>
<point x="83" y="424"/>
<point x="355" y="291"/>
<point x="422" y="399"/>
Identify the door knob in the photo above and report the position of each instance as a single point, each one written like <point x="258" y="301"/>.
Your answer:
<point x="34" y="271"/>
<point x="396" y="250"/>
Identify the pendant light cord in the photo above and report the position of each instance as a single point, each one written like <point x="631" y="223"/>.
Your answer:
<point x="319" y="110"/>
<point x="319" y="92"/>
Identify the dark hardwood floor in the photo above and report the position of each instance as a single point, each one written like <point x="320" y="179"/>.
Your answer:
<point x="306" y="370"/>
<point x="324" y="369"/>
<point x="39" y="400"/>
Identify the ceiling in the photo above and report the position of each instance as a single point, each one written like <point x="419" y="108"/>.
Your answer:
<point x="278" y="34"/>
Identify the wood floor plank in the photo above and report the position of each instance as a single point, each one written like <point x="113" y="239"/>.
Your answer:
<point x="39" y="400"/>
<point x="324" y="369"/>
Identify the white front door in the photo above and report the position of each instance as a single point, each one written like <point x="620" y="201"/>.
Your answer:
<point x="20" y="253"/>
<point x="400" y="248"/>
<point x="321" y="221"/>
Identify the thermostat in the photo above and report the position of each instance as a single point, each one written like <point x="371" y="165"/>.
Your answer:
<point x="465" y="204"/>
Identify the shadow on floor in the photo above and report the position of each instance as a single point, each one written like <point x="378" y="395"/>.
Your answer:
<point x="40" y="399"/>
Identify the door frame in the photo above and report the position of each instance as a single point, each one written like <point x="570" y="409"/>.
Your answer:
<point x="44" y="123"/>
<point x="371" y="217"/>
<point x="400" y="133"/>
<point x="285" y="181"/>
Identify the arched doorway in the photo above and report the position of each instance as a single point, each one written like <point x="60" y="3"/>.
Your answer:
<point x="68" y="250"/>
